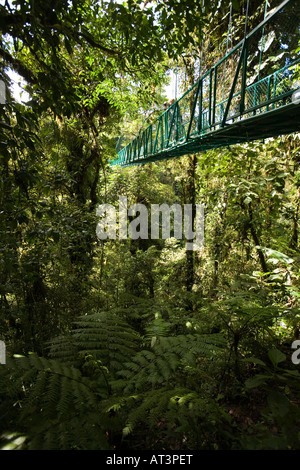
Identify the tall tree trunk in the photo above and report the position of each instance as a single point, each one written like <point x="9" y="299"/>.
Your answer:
<point x="294" y="239"/>
<point x="191" y="199"/>
<point x="257" y="242"/>
<point x="218" y="236"/>
<point x="191" y="189"/>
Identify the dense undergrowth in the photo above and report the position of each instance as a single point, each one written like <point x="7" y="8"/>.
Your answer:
<point x="210" y="381"/>
<point x="142" y="344"/>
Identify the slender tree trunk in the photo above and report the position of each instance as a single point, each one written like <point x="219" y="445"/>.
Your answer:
<point x="191" y="189"/>
<point x="294" y="239"/>
<point x="191" y="199"/>
<point x="219" y="232"/>
<point x="256" y="240"/>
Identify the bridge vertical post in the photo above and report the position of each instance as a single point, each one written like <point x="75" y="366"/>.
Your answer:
<point x="234" y="83"/>
<point x="274" y="89"/>
<point x="139" y="145"/>
<point x="176" y="110"/>
<point x="143" y="143"/>
<point x="244" y="77"/>
<point x="200" y="105"/>
<point x="214" y="97"/>
<point x="199" y="87"/>
<point x="162" y="133"/>
<point x="269" y="91"/>
<point x="150" y="137"/>
<point x="171" y="124"/>
<point x="156" y="131"/>
<point x="132" y="147"/>
<point x="146" y="142"/>
<point x="128" y="155"/>
<point x="165" y="116"/>
<point x="210" y="95"/>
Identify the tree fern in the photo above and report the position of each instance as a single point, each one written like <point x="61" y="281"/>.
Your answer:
<point x="168" y="356"/>
<point x="103" y="335"/>
<point x="64" y="348"/>
<point x="56" y="395"/>
<point x="66" y="391"/>
<point x="158" y="327"/>
<point x="173" y="413"/>
<point x="98" y="382"/>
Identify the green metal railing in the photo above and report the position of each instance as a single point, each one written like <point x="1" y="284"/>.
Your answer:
<point x="218" y="110"/>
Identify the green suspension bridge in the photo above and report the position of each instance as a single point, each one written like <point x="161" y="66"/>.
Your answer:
<point x="252" y="93"/>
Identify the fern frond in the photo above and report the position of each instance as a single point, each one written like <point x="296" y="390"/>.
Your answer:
<point x="167" y="356"/>
<point x="178" y="412"/>
<point x="56" y="395"/>
<point x="157" y="328"/>
<point x="104" y="335"/>
<point x="64" y="348"/>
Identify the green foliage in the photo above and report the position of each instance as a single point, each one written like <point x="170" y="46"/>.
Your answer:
<point x="74" y="394"/>
<point x="57" y="403"/>
<point x="153" y="364"/>
<point x="104" y="336"/>
<point x="169" y="359"/>
<point x="281" y="412"/>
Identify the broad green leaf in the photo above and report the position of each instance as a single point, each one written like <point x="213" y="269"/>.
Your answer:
<point x="254" y="360"/>
<point x="257" y="380"/>
<point x="276" y="356"/>
<point x="277" y="255"/>
<point x="278" y="403"/>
